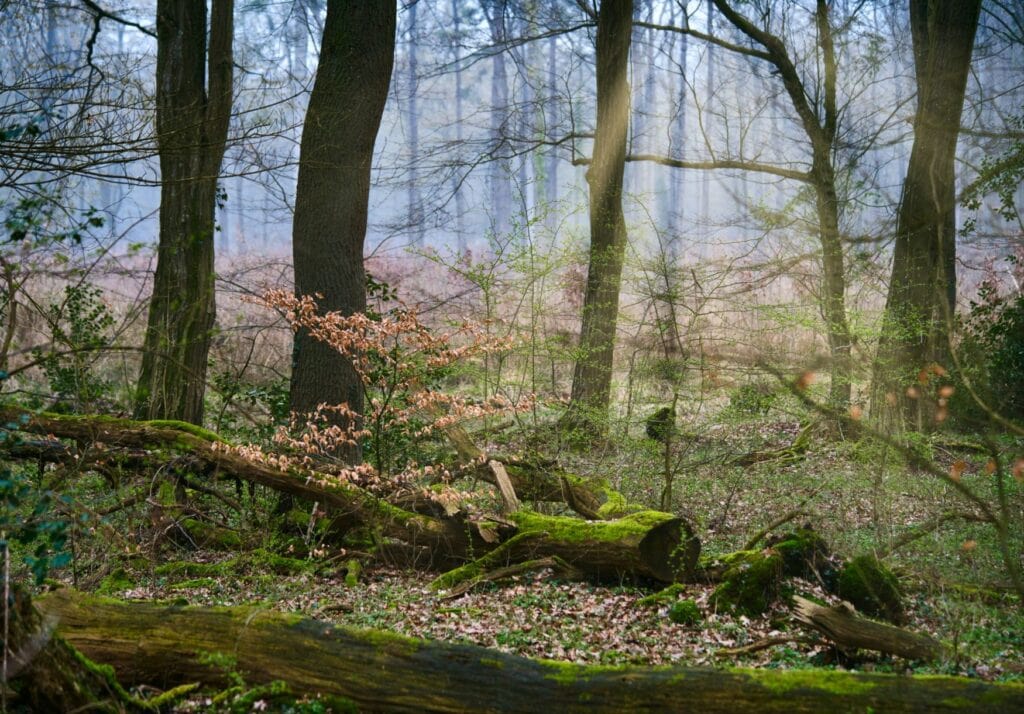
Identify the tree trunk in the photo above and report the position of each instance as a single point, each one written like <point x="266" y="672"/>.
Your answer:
<point x="193" y="108"/>
<point x="332" y="195"/>
<point x="414" y="197"/>
<point x="159" y="645"/>
<point x="592" y="378"/>
<point x="820" y="125"/>
<point x="500" y="171"/>
<point x="922" y="290"/>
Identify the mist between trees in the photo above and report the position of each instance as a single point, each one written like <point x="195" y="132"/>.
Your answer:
<point x="696" y="210"/>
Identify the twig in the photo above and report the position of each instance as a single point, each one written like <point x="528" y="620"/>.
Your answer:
<point x="763" y="644"/>
<point x="781" y="520"/>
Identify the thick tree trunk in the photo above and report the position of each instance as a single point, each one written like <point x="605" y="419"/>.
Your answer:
<point x="922" y="289"/>
<point x="160" y="645"/>
<point x="332" y="195"/>
<point x="592" y="378"/>
<point x="193" y="108"/>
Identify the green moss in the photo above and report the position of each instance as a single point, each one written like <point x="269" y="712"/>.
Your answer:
<point x="352" y="573"/>
<point x="117" y="581"/>
<point x="208" y="535"/>
<point x="685" y="612"/>
<point x="195" y="583"/>
<point x="782" y="682"/>
<point x="166" y="699"/>
<point x="872" y="588"/>
<point x="750" y="584"/>
<point x="390" y="641"/>
<point x="279" y="564"/>
<point x="569" y="673"/>
<point x="478" y="567"/>
<point x="493" y="663"/>
<point x="197" y="431"/>
<point x="297" y="518"/>
<point x="165" y="494"/>
<point x="572" y="530"/>
<point x="663" y="597"/>
<point x="182" y="568"/>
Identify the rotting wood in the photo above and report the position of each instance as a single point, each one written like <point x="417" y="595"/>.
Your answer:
<point x="646" y="545"/>
<point x="842" y="625"/>
<point x="508" y="494"/>
<point x="149" y="643"/>
<point x="559" y="566"/>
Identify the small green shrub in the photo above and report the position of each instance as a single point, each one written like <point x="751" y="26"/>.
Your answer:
<point x="685" y="612"/>
<point x="754" y="399"/>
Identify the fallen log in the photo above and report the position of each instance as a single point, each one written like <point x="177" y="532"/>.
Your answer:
<point x="842" y="625"/>
<point x="533" y="482"/>
<point x="650" y="544"/>
<point x="206" y="454"/>
<point x="161" y="645"/>
<point x="44" y="673"/>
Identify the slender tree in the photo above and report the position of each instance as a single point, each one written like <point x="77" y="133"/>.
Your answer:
<point x="193" y="108"/>
<point x="592" y="378"/>
<point x="332" y="196"/>
<point x="922" y="290"/>
<point x="820" y="124"/>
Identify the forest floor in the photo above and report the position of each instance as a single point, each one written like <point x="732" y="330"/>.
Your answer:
<point x="857" y="495"/>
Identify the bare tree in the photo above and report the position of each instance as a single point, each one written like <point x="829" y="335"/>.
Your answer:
<point x="193" y="100"/>
<point x="592" y="378"/>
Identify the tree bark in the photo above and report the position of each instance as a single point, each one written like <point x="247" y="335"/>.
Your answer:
<point x="922" y="290"/>
<point x="592" y="377"/>
<point x="332" y="195"/>
<point x="500" y="171"/>
<point x="155" y="644"/>
<point x="850" y="632"/>
<point x="649" y="544"/>
<point x="193" y="109"/>
<point x="44" y="673"/>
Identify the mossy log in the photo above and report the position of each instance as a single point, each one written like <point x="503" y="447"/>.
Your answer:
<point x="45" y="674"/>
<point x="647" y="545"/>
<point x="843" y="626"/>
<point x="161" y="645"/>
<point x="206" y="455"/>
<point x="532" y="481"/>
<point x="650" y="544"/>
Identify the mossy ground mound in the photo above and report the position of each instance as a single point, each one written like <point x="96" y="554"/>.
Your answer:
<point x="872" y="588"/>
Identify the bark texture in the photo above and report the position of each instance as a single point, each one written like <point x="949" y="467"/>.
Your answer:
<point x="333" y="191"/>
<point x="382" y="672"/>
<point x="592" y="377"/>
<point x="922" y="290"/>
<point x="850" y="632"/>
<point x="193" y="109"/>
